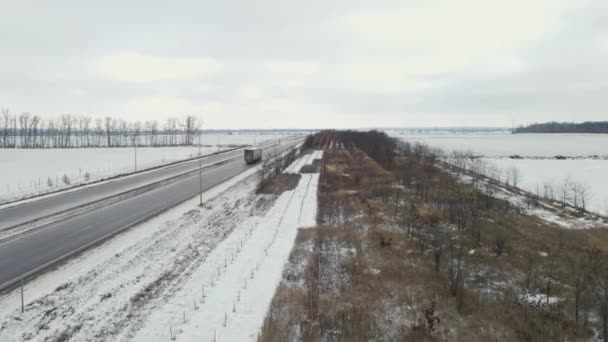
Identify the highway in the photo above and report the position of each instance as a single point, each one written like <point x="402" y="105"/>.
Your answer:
<point x="38" y="249"/>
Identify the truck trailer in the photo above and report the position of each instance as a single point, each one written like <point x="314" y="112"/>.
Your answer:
<point x="253" y="155"/>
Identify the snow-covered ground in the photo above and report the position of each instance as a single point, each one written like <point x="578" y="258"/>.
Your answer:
<point x="588" y="167"/>
<point x="527" y="145"/>
<point x="26" y="172"/>
<point x="197" y="273"/>
<point x="549" y="213"/>
<point x="238" y="139"/>
<point x="536" y="173"/>
<point x="307" y="159"/>
<point x="239" y="277"/>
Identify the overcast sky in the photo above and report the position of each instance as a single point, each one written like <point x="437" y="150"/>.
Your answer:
<point x="345" y="63"/>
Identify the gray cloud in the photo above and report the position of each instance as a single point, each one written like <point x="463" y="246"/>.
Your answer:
<point x="309" y="64"/>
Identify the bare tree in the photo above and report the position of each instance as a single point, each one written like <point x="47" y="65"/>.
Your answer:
<point x="6" y="119"/>
<point x="580" y="267"/>
<point x="67" y="122"/>
<point x="66" y="131"/>
<point x="501" y="235"/>
<point x="97" y="141"/>
<point x="456" y="271"/>
<point x="531" y="269"/>
<point x="551" y="268"/>
<point x="438" y="238"/>
<point x="564" y="191"/>
<point x="191" y="124"/>
<point x="514" y="176"/>
<point x="585" y="194"/>
<point x="548" y="192"/>
<point x="600" y="291"/>
<point x="108" y="126"/>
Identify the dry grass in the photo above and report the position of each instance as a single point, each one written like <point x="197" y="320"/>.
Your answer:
<point x="360" y="276"/>
<point x="315" y="167"/>
<point x="280" y="183"/>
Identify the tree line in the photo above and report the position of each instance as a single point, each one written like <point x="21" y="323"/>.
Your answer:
<point x="565" y="127"/>
<point x="378" y="145"/>
<point x="80" y="131"/>
<point x="575" y="272"/>
<point x="569" y="192"/>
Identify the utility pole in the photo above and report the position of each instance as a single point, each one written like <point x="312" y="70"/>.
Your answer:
<point x="200" y="169"/>
<point x="135" y="147"/>
<point x="22" y="304"/>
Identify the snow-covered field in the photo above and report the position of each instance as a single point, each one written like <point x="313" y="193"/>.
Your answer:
<point x="237" y="139"/>
<point x="201" y="274"/>
<point x="527" y="145"/>
<point x="588" y="152"/>
<point x="550" y="212"/>
<point x="26" y="172"/>
<point x="535" y="174"/>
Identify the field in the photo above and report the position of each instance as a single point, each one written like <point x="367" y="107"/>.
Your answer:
<point x="535" y="174"/>
<point x="586" y="158"/>
<point x="27" y="172"/>
<point x="526" y="145"/>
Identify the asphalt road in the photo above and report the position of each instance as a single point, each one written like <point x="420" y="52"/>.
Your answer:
<point x="32" y="252"/>
<point x="37" y="209"/>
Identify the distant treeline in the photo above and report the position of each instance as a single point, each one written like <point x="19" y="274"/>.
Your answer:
<point x="80" y="131"/>
<point x="565" y="127"/>
<point x="72" y="131"/>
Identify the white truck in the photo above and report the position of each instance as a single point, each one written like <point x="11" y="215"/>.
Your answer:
<point x="253" y="155"/>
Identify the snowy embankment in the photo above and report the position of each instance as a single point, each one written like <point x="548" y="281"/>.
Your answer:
<point x="149" y="282"/>
<point x="307" y="159"/>
<point x="234" y="287"/>
<point x="27" y="172"/>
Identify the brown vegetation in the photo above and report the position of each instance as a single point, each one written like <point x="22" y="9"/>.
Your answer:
<point x="411" y="253"/>
<point x="280" y="183"/>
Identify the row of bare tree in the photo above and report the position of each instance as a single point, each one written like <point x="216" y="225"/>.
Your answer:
<point x="581" y="272"/>
<point x="71" y="131"/>
<point x="568" y="193"/>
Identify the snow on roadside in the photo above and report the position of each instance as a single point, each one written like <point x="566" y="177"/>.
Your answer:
<point x="239" y="277"/>
<point x="318" y="154"/>
<point x="148" y="282"/>
<point x="297" y="164"/>
<point x="111" y="288"/>
<point x="307" y="159"/>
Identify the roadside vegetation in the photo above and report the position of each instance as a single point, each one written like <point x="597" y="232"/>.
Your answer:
<point x="272" y="181"/>
<point x="404" y="250"/>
